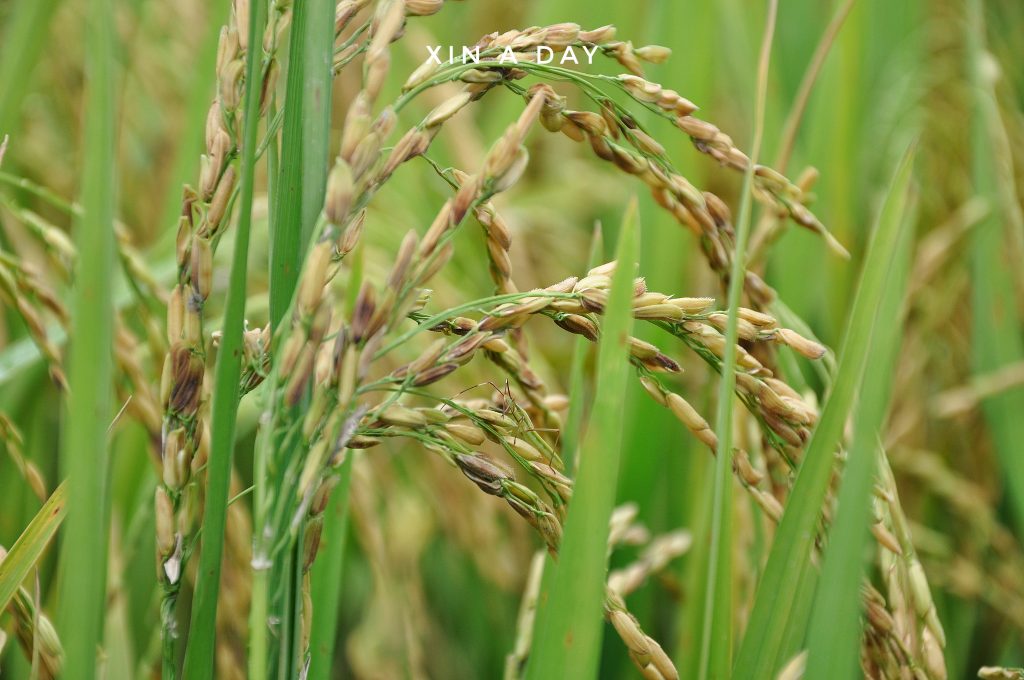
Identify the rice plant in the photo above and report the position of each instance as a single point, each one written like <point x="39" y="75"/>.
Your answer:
<point x="422" y="338"/>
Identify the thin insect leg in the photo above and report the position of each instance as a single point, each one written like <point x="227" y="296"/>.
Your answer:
<point x="473" y="387"/>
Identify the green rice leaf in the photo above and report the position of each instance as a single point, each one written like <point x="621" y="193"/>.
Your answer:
<point x="835" y="627"/>
<point x="568" y="640"/>
<point x="716" y="632"/>
<point x="302" y="179"/>
<point x="759" y="654"/>
<point x="577" y="378"/>
<point x="995" y="331"/>
<point x="27" y="550"/>
<point x="199" y="654"/>
<point x="84" y="449"/>
<point x="326" y="574"/>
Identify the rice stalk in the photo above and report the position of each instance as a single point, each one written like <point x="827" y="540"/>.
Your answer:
<point x="716" y="641"/>
<point x="84" y="447"/>
<point x="185" y="440"/>
<point x="302" y="178"/>
<point x="327" y="572"/>
<point x="199" y="654"/>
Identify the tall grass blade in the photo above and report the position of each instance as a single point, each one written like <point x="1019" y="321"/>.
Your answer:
<point x="572" y="429"/>
<point x="716" y="636"/>
<point x="302" y="178"/>
<point x="995" y="337"/>
<point x="690" y="620"/>
<point x="298" y="183"/>
<point x="199" y="654"/>
<point x="23" y="41"/>
<point x="573" y="426"/>
<point x="835" y="622"/>
<point x="568" y="641"/>
<point x="807" y="83"/>
<point x="759" y="654"/>
<point x="827" y="135"/>
<point x="326" y="575"/>
<point x="84" y="452"/>
<point x="27" y="550"/>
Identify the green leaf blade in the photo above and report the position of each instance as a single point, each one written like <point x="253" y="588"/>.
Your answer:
<point x="302" y="179"/>
<point x="759" y="654"/>
<point x="568" y="643"/>
<point x="995" y="329"/>
<point x="716" y="633"/>
<point x="326" y="575"/>
<point x="835" y="622"/>
<point x="84" y="450"/>
<point x="201" y="650"/>
<point x="27" y="550"/>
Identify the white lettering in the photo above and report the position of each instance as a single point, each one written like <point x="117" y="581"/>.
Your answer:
<point x="544" y="55"/>
<point x="508" y="56"/>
